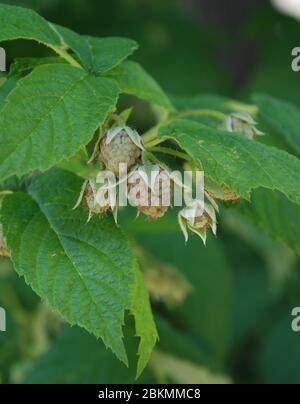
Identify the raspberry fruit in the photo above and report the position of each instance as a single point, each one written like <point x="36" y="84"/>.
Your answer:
<point x="120" y="146"/>
<point x="95" y="200"/>
<point x="149" y="189"/>
<point x="242" y="123"/>
<point x="198" y="220"/>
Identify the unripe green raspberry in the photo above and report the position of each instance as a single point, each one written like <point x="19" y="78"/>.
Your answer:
<point x="120" y="146"/>
<point x="198" y="217"/>
<point x="243" y="123"/>
<point x="152" y="198"/>
<point x="88" y="194"/>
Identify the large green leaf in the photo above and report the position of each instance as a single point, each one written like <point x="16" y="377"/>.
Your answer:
<point x="49" y="115"/>
<point x="85" y="271"/>
<point x="274" y="214"/>
<point x="238" y="163"/>
<point x="95" y="54"/>
<point x="133" y="79"/>
<point x="282" y="117"/>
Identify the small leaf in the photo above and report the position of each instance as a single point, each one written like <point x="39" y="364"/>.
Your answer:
<point x="133" y="79"/>
<point x="107" y="53"/>
<point x="240" y="164"/>
<point x="282" y="117"/>
<point x="85" y="271"/>
<point x="49" y="115"/>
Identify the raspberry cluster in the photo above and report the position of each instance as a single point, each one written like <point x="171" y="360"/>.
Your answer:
<point x="149" y="186"/>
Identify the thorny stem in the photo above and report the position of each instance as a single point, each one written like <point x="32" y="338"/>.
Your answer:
<point x="171" y="152"/>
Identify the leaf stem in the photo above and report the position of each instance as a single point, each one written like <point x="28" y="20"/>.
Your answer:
<point x="171" y="152"/>
<point x="65" y="55"/>
<point x="201" y="112"/>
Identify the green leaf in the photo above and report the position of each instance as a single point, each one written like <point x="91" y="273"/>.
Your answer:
<point x="85" y="271"/>
<point x="22" y="66"/>
<point x="107" y="53"/>
<point x="240" y="164"/>
<point x="23" y="23"/>
<point x="282" y="117"/>
<point x="6" y="88"/>
<point x="95" y="54"/>
<point x="134" y="80"/>
<point x="144" y="323"/>
<point x="49" y="115"/>
<point x="275" y="215"/>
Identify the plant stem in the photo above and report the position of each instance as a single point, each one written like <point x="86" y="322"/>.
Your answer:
<point x="154" y="142"/>
<point x="151" y="135"/>
<point x="65" y="55"/>
<point x="240" y="107"/>
<point x="201" y="112"/>
<point x="171" y="152"/>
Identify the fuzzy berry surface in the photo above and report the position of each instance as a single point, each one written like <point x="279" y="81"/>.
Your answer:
<point x="90" y="202"/>
<point x="151" y="201"/>
<point x="120" y="150"/>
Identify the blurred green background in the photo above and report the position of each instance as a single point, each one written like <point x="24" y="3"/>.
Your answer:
<point x="223" y="312"/>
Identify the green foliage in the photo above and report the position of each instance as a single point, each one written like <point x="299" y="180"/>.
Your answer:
<point x="52" y="111"/>
<point x="57" y="108"/>
<point x="133" y="79"/>
<point x="85" y="271"/>
<point x="277" y="216"/>
<point x="240" y="164"/>
<point x="282" y="117"/>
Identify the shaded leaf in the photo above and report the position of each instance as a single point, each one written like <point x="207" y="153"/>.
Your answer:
<point x="240" y="164"/>
<point x="282" y="117"/>
<point x="133" y="79"/>
<point x="275" y="215"/>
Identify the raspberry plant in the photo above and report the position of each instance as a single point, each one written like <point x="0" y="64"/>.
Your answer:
<point x="57" y="109"/>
